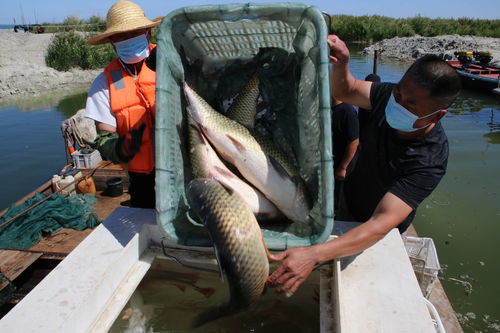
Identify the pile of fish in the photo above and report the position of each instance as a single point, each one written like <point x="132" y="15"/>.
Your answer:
<point x="228" y="205"/>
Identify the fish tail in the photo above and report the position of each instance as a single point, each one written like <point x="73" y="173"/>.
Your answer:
<point x="214" y="314"/>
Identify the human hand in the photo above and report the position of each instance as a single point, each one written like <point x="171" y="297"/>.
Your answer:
<point x="338" y="50"/>
<point x="130" y="143"/>
<point x="297" y="265"/>
<point x="340" y="173"/>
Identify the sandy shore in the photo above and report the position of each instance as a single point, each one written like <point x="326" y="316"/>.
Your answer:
<point x="23" y="71"/>
<point x="409" y="48"/>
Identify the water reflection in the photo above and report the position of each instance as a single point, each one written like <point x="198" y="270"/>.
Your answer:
<point x="47" y="101"/>
<point x="69" y="105"/>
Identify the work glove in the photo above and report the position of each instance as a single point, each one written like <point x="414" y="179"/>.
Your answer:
<point x="129" y="144"/>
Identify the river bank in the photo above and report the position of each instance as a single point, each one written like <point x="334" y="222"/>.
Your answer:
<point x="23" y="71"/>
<point x="410" y="48"/>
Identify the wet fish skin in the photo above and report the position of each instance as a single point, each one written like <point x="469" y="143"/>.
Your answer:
<point x="244" y="106"/>
<point x="237" y="146"/>
<point x="206" y="164"/>
<point x="243" y="111"/>
<point x="237" y="239"/>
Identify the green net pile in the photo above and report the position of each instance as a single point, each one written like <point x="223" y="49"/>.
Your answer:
<point x="216" y="50"/>
<point x="52" y="215"/>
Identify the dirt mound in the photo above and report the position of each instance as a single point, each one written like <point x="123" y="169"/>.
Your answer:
<point x="23" y="70"/>
<point x="408" y="48"/>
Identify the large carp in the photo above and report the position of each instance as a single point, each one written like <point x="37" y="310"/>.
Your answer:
<point x="244" y="106"/>
<point x="237" y="146"/>
<point x="237" y="239"/>
<point x="206" y="164"/>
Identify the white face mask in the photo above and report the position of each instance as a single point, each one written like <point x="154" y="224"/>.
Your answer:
<point x="399" y="118"/>
<point x="133" y="50"/>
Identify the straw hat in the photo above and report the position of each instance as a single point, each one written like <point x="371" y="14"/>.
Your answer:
<point x="124" y="16"/>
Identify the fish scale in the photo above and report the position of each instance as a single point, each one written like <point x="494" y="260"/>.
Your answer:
<point x="244" y="106"/>
<point x="238" y="240"/>
<point x="206" y="164"/>
<point x="262" y="168"/>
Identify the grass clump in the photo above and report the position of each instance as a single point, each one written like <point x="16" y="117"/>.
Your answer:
<point x="69" y="49"/>
<point x="375" y="27"/>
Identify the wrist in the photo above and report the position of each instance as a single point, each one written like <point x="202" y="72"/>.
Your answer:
<point x="318" y="254"/>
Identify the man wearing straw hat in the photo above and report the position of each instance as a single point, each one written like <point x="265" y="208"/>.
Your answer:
<point x="122" y="100"/>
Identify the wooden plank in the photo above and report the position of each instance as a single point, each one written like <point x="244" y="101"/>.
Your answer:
<point x="443" y="306"/>
<point x="440" y="300"/>
<point x="62" y="242"/>
<point x="106" y="205"/>
<point x="14" y="262"/>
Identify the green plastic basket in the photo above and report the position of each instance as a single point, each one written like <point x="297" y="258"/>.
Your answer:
<point x="214" y="49"/>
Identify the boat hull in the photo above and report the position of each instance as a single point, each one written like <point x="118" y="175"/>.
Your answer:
<point x="477" y="77"/>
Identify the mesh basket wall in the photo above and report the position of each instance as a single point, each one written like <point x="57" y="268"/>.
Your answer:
<point x="216" y="49"/>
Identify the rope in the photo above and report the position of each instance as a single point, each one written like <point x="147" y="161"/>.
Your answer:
<point x="56" y="192"/>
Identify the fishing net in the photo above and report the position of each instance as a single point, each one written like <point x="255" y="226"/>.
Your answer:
<point x="50" y="216"/>
<point x="216" y="50"/>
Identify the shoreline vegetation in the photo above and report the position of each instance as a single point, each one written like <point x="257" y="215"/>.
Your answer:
<point x="368" y="29"/>
<point x="60" y="58"/>
<point x="375" y="28"/>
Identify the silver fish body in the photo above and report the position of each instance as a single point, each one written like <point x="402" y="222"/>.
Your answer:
<point x="237" y="146"/>
<point x="206" y="164"/>
<point x="238" y="240"/>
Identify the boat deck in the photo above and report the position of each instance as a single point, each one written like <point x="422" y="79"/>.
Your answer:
<point x="476" y="69"/>
<point x="25" y="269"/>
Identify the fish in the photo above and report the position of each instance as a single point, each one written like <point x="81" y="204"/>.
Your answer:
<point x="236" y="145"/>
<point x="206" y="164"/>
<point x="181" y="281"/>
<point x="238" y="241"/>
<point x="244" y="106"/>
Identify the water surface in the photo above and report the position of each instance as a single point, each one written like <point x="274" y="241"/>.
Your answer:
<point x="462" y="215"/>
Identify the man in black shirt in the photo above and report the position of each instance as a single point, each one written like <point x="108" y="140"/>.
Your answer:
<point x="402" y="158"/>
<point x="345" y="136"/>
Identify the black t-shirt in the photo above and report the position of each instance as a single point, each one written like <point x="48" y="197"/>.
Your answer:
<point x="345" y="128"/>
<point x="409" y="169"/>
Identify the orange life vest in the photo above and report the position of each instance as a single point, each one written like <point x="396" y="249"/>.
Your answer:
<point x="133" y="102"/>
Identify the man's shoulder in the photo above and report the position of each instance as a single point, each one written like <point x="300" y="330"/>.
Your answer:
<point x="380" y="91"/>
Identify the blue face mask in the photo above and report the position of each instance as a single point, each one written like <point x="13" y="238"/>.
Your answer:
<point x="401" y="119"/>
<point x="133" y="50"/>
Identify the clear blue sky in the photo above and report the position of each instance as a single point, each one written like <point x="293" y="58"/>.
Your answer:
<point x="57" y="11"/>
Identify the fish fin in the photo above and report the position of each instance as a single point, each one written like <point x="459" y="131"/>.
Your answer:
<point x="190" y="111"/>
<point x="214" y="314"/>
<point x="181" y="287"/>
<point x="195" y="129"/>
<point x="302" y="188"/>
<point x="207" y="292"/>
<point x="279" y="168"/>
<point x="229" y="190"/>
<point x="221" y="270"/>
<point x="268" y="254"/>
<point x="225" y="172"/>
<point x="236" y="143"/>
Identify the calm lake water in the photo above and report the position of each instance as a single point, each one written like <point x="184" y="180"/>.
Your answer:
<point x="462" y="215"/>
